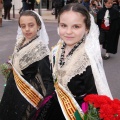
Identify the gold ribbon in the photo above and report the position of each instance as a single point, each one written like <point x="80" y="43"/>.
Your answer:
<point x="68" y="104"/>
<point x="28" y="91"/>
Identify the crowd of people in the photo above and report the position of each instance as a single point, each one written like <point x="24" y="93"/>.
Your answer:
<point x="42" y="83"/>
<point x="7" y="5"/>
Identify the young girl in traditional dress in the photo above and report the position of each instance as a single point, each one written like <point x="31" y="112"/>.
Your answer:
<point x="77" y="66"/>
<point x="31" y="77"/>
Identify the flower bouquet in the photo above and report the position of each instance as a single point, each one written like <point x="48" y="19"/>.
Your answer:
<point x="5" y="69"/>
<point x="101" y="107"/>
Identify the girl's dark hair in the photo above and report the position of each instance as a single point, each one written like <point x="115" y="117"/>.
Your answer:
<point x="76" y="7"/>
<point x="30" y="13"/>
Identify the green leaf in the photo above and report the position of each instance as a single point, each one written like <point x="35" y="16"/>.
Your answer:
<point x="92" y="113"/>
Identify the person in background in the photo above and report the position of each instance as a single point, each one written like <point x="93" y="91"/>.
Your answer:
<point x="86" y="3"/>
<point x="115" y="4"/>
<point x="119" y="5"/>
<point x="47" y="4"/>
<point x="58" y="5"/>
<point x="77" y="66"/>
<point x="7" y="7"/>
<point x="1" y="7"/>
<point x="99" y="4"/>
<point x="53" y="7"/>
<point x="25" y="5"/>
<point x="108" y="20"/>
<point x="31" y="76"/>
<point x="94" y="9"/>
<point x="31" y="4"/>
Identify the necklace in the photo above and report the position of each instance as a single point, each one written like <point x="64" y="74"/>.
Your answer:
<point x="62" y="57"/>
<point x="67" y="50"/>
<point x="22" y="46"/>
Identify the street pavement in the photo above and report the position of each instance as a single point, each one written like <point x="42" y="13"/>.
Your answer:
<point x="7" y="41"/>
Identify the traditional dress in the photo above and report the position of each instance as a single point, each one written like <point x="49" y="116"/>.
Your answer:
<point x="79" y="74"/>
<point x="29" y="61"/>
<point x="109" y="37"/>
<point x="30" y="80"/>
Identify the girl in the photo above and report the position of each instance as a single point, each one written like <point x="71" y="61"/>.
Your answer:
<point x="31" y="78"/>
<point x="77" y="65"/>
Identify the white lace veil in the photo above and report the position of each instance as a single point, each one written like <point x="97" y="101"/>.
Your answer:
<point x="92" y="48"/>
<point x="43" y="36"/>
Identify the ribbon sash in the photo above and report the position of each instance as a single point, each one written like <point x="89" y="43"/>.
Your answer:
<point x="69" y="106"/>
<point x="28" y="91"/>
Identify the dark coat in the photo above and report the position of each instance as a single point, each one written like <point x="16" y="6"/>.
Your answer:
<point x="23" y="0"/>
<point x="58" y="3"/>
<point x="113" y="33"/>
<point x="32" y="1"/>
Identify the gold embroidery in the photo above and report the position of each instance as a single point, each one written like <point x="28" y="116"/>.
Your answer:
<point x="28" y="92"/>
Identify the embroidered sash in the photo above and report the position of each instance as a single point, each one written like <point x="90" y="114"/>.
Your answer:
<point x="69" y="106"/>
<point x="28" y="91"/>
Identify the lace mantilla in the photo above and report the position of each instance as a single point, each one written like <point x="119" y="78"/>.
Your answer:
<point x="75" y="64"/>
<point x="29" y="54"/>
<point x="92" y="48"/>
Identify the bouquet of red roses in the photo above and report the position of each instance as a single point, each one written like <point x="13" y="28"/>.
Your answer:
<point x="101" y="107"/>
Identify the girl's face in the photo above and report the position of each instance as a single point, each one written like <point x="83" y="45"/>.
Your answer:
<point x="109" y="4"/>
<point x="29" y="27"/>
<point x="72" y="27"/>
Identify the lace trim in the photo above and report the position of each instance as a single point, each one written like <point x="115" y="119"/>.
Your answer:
<point x="31" y="53"/>
<point x="74" y="65"/>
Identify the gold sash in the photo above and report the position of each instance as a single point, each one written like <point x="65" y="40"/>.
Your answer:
<point x="28" y="91"/>
<point x="69" y="106"/>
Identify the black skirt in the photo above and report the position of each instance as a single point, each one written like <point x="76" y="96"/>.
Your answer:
<point x="50" y="110"/>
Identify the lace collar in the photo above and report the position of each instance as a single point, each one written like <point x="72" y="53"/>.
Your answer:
<point x="75" y="64"/>
<point x="29" y="54"/>
<point x="62" y="59"/>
